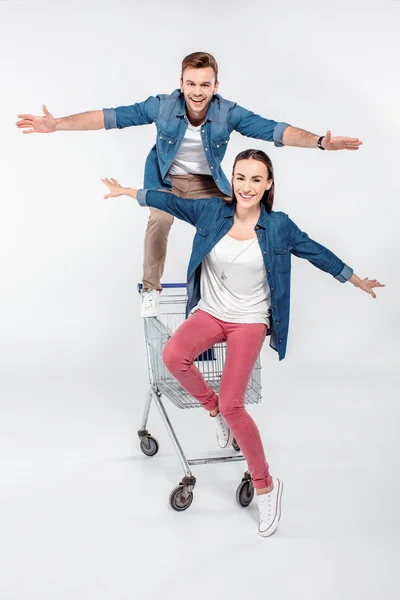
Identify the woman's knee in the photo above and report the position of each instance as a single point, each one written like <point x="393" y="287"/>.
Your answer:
<point x="173" y="358"/>
<point x="230" y="411"/>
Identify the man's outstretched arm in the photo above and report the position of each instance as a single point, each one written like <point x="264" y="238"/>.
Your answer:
<point x="292" y="136"/>
<point x="86" y="121"/>
<point x="141" y="113"/>
<point x="282" y="134"/>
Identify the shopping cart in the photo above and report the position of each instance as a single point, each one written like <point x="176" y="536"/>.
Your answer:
<point x="157" y="331"/>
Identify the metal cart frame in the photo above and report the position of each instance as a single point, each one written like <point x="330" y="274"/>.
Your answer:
<point x="157" y="332"/>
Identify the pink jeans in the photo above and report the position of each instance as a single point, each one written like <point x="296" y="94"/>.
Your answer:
<point x="244" y="341"/>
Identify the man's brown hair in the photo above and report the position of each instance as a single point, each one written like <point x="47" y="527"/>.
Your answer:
<point x="200" y="60"/>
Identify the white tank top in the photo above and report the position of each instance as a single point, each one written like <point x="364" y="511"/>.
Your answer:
<point x="238" y="291"/>
<point x="191" y="158"/>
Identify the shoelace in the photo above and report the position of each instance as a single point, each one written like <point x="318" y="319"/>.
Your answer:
<point x="221" y="425"/>
<point x="149" y="299"/>
<point x="265" y="508"/>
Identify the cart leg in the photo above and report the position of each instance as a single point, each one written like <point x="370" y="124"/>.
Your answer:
<point x="143" y="431"/>
<point x="189" y="481"/>
<point x="148" y="444"/>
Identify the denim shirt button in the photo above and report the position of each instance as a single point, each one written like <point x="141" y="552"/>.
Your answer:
<point x="206" y="149"/>
<point x="269" y="271"/>
<point x="277" y="323"/>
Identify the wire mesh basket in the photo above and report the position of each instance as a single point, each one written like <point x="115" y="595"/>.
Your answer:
<point x="158" y="330"/>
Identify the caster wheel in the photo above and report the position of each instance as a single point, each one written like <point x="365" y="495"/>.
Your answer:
<point x="151" y="448"/>
<point x="245" y="493"/>
<point x="180" y="499"/>
<point x="235" y="445"/>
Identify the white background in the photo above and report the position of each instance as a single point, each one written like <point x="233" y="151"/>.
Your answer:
<point x="83" y="513"/>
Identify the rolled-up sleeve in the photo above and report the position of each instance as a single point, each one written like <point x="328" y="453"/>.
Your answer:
<point x="252" y="125"/>
<point x="110" y="118"/>
<point x="278" y="133"/>
<point x="141" y="197"/>
<point x="141" y="113"/>
<point x="344" y="274"/>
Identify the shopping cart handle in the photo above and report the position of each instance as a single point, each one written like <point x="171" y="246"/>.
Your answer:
<point x="165" y="285"/>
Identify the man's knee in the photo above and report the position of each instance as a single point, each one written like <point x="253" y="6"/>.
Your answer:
<point x="160" y="221"/>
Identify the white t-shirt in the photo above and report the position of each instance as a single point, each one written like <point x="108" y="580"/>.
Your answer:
<point x="238" y="291"/>
<point x="191" y="158"/>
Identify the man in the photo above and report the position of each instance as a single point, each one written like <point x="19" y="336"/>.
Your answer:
<point x="193" y="128"/>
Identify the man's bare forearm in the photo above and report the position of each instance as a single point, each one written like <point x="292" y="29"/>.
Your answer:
<point x="300" y="138"/>
<point x="91" y="120"/>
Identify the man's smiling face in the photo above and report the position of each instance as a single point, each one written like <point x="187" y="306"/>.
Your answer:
<point x="198" y="87"/>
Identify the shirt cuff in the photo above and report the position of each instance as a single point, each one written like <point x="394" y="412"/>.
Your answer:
<point x="278" y="133"/>
<point x="141" y="197"/>
<point x="345" y="274"/>
<point x="110" y="118"/>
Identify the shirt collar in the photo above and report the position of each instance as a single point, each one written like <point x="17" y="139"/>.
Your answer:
<point x="229" y="211"/>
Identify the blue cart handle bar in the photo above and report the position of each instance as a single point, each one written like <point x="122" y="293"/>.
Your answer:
<point x="165" y="285"/>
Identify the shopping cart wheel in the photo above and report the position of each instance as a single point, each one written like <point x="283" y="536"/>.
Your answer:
<point x="149" y="446"/>
<point x="235" y="445"/>
<point x="245" y="492"/>
<point x="180" y="498"/>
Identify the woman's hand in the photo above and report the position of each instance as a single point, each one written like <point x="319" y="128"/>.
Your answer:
<point x="365" y="284"/>
<point x="116" y="189"/>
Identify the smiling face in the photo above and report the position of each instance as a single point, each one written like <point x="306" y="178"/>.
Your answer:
<point x="250" y="181"/>
<point x="198" y="87"/>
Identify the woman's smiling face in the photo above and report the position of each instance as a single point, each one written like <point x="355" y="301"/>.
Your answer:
<point x="250" y="180"/>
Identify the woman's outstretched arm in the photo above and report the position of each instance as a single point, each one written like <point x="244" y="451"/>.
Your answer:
<point x="185" y="209"/>
<point x="324" y="259"/>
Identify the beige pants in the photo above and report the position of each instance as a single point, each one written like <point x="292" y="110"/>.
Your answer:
<point x="160" y="222"/>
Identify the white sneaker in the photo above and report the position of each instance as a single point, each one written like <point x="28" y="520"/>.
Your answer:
<point x="150" y="303"/>
<point x="269" y="506"/>
<point x="224" y="434"/>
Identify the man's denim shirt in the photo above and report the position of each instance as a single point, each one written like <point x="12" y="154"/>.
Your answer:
<point x="278" y="237"/>
<point x="168" y="112"/>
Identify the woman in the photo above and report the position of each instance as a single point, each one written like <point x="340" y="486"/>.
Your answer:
<point x="239" y="290"/>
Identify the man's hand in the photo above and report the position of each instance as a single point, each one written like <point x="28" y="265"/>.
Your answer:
<point x="32" y="124"/>
<point x="365" y="284"/>
<point x="299" y="138"/>
<point x="340" y="143"/>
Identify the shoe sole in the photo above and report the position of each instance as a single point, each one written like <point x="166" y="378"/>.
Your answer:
<point x="272" y="528"/>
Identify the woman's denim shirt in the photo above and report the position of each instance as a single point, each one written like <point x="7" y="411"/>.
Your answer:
<point x="168" y="112"/>
<point x="277" y="235"/>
